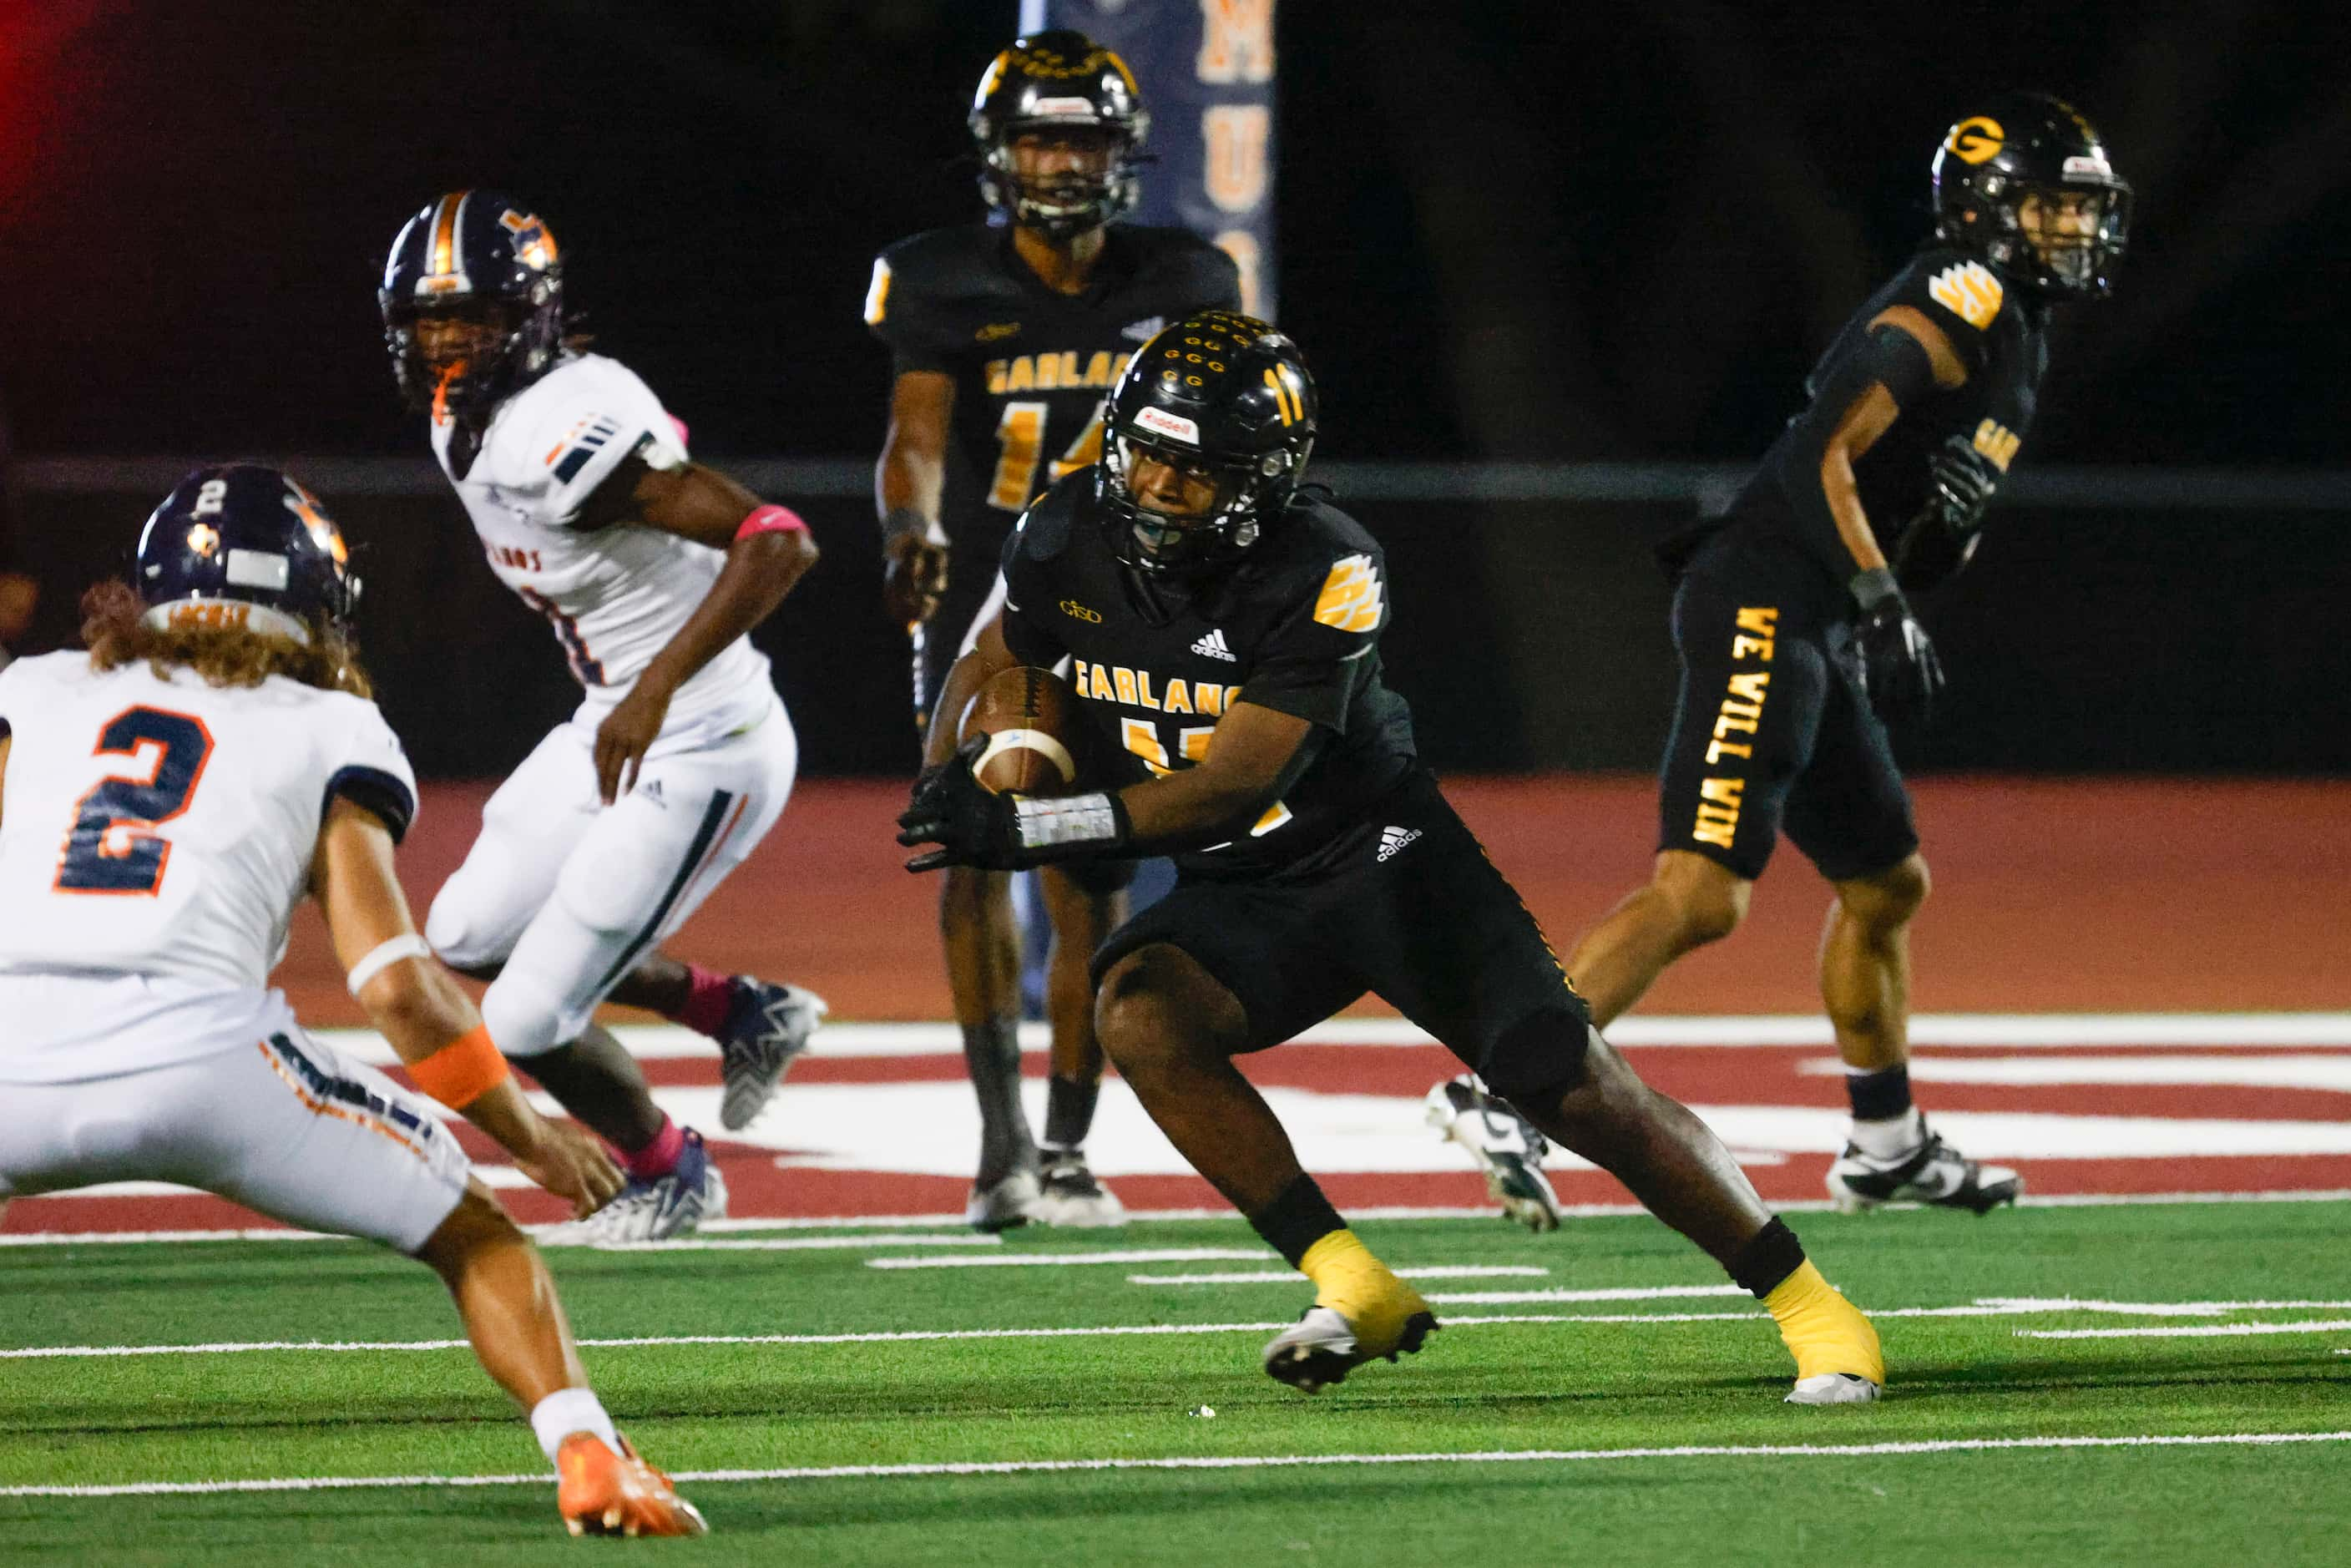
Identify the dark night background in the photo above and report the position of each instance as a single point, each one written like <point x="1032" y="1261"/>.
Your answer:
<point x="1508" y="232"/>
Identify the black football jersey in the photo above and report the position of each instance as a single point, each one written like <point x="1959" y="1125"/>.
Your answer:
<point x="1030" y="366"/>
<point x="1294" y="626"/>
<point x="2001" y="335"/>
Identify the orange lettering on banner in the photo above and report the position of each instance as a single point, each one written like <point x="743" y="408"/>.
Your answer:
<point x="1236" y="41"/>
<point x="1237" y="137"/>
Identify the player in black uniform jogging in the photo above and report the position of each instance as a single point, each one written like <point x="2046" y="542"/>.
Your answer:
<point x="1223" y="632"/>
<point x="1004" y="335"/>
<point x="1793" y="619"/>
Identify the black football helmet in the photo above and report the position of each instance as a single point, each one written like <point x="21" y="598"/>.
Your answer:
<point x="1058" y="80"/>
<point x="476" y="252"/>
<point x="241" y="545"/>
<point x="1222" y="395"/>
<point x="2026" y="145"/>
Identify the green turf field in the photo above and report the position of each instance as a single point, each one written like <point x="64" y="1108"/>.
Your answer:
<point x="1561" y="1389"/>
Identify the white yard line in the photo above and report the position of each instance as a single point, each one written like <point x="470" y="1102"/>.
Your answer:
<point x="791" y="1244"/>
<point x="2194" y="1330"/>
<point x="1226" y="1462"/>
<point x="2012" y="1306"/>
<point x="1077" y="1260"/>
<point x="1290" y="1276"/>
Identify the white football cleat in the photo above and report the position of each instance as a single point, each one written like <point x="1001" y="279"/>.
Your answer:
<point x="1322" y="1347"/>
<point x="656" y="1210"/>
<point x="1070" y="1196"/>
<point x="1002" y="1204"/>
<point x="1508" y="1148"/>
<point x="1834" y="1388"/>
<point x="1932" y="1173"/>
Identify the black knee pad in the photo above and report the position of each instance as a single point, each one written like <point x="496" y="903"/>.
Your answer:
<point x="1540" y="1057"/>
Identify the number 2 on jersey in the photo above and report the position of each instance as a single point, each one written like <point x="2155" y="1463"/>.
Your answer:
<point x="112" y="847"/>
<point x="1021" y="438"/>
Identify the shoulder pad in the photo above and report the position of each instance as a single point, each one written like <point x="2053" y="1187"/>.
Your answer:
<point x="1962" y="287"/>
<point x="954" y="261"/>
<point x="1045" y="525"/>
<point x="563" y="435"/>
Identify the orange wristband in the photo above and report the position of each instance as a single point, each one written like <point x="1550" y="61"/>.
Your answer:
<point x="462" y="1071"/>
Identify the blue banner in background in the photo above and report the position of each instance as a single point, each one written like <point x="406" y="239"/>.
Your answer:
<point x="1206" y="71"/>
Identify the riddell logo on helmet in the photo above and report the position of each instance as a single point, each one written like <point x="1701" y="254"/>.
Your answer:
<point x="1976" y="140"/>
<point x="1062" y="109"/>
<point x="2088" y="168"/>
<point x="1173" y="425"/>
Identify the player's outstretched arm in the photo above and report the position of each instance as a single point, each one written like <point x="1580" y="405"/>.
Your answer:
<point x="907" y="484"/>
<point x="768" y="550"/>
<point x="432" y="1024"/>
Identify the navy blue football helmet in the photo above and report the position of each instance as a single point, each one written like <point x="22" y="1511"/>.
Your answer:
<point x="481" y="255"/>
<point x="244" y="547"/>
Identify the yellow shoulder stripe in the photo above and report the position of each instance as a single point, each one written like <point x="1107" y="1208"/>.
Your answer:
<point x="877" y="293"/>
<point x="1970" y="290"/>
<point x="1351" y="597"/>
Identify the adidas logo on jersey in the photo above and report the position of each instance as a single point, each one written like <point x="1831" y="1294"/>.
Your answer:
<point x="1212" y="646"/>
<point x="1143" y="332"/>
<point x="1394" y="840"/>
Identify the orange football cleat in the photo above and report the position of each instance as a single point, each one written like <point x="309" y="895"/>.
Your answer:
<point x="605" y="1493"/>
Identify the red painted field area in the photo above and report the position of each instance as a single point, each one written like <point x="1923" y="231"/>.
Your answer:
<point x="2053" y="898"/>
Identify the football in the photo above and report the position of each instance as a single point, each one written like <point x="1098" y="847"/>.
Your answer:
<point x="1034" y="733"/>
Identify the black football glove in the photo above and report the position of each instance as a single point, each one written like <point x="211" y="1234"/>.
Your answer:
<point x="1002" y="832"/>
<point x="1942" y="537"/>
<point x="1899" y="672"/>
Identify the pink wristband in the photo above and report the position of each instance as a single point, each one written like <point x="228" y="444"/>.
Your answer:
<point x="770" y="520"/>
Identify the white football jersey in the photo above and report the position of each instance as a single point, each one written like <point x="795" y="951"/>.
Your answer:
<point x="166" y="828"/>
<point x="615" y="596"/>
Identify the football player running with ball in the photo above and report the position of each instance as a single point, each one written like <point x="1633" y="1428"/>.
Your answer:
<point x="211" y="761"/>
<point x="1797" y="640"/>
<point x="1229" y="652"/>
<point x="1004" y="337"/>
<point x="651" y="570"/>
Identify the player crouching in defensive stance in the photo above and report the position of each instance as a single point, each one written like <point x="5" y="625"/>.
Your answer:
<point x="1231" y="647"/>
<point x="652" y="569"/>
<point x="215" y="758"/>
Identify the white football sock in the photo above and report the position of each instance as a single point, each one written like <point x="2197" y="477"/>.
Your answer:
<point x="569" y="1410"/>
<point x="1895" y="1135"/>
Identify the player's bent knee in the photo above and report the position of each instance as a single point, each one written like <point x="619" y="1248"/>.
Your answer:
<point x="1884" y="900"/>
<point x="525" y="1017"/>
<point x="1156" y="1007"/>
<point x="1542" y="1056"/>
<point x="477" y="1222"/>
<point x="1708" y="900"/>
<point x="462" y="942"/>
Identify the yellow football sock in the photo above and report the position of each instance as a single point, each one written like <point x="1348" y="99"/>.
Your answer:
<point x="1361" y="1289"/>
<point x="1825" y="1331"/>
